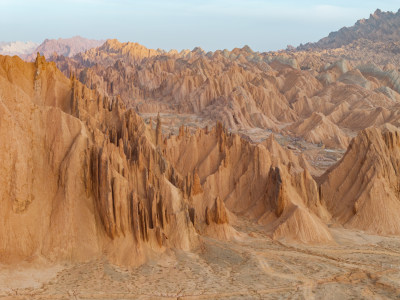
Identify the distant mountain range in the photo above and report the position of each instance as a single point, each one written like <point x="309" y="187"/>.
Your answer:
<point x="379" y="27"/>
<point x="66" y="47"/>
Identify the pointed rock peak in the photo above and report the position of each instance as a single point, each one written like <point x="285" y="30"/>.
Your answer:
<point x="173" y="52"/>
<point x="270" y="139"/>
<point x="275" y="190"/>
<point x="300" y="225"/>
<point x="112" y="43"/>
<point x="158" y="130"/>
<point x="377" y="13"/>
<point x="40" y="60"/>
<point x="72" y="76"/>
<point x="38" y="56"/>
<point x="220" y="128"/>
<point x="247" y="49"/>
<point x="196" y="187"/>
<point x="181" y="131"/>
<point x="217" y="214"/>
<point x="270" y="142"/>
<point x="198" y="50"/>
<point x="373" y="154"/>
<point x="225" y="52"/>
<point x="220" y="217"/>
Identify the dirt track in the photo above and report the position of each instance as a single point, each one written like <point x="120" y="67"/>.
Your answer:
<point x="359" y="266"/>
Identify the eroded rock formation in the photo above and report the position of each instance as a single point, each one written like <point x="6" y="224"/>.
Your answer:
<point x="362" y="190"/>
<point x="84" y="176"/>
<point x="319" y="98"/>
<point x="87" y="168"/>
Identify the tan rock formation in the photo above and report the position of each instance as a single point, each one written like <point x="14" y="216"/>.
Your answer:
<point x="362" y="190"/>
<point x="245" y="90"/>
<point x="319" y="129"/>
<point x="263" y="182"/>
<point x="103" y="182"/>
<point x="84" y="166"/>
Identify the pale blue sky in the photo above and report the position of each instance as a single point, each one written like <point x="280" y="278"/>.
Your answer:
<point x="183" y="24"/>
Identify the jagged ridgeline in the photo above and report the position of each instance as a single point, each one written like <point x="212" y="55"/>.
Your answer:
<point x="379" y="27"/>
<point x="85" y="177"/>
<point x="318" y="97"/>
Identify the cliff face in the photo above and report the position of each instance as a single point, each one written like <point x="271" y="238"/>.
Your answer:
<point x="82" y="175"/>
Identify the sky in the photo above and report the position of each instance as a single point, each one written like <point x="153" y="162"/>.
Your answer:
<point x="264" y="25"/>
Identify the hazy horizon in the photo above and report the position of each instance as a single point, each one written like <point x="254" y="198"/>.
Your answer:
<point x="261" y="24"/>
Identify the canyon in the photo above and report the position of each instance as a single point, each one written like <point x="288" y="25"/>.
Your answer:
<point x="130" y="172"/>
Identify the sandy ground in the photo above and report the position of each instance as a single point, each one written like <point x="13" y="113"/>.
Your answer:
<point x="360" y="266"/>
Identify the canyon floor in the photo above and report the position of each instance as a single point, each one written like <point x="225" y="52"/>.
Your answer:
<point x="250" y="267"/>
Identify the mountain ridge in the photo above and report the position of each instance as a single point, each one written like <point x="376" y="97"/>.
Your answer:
<point x="379" y="27"/>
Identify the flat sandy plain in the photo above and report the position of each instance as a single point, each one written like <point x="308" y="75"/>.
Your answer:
<point x="359" y="266"/>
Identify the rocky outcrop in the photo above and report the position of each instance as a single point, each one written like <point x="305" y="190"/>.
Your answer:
<point x="217" y="213"/>
<point x="362" y="190"/>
